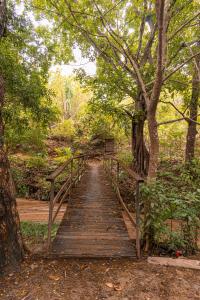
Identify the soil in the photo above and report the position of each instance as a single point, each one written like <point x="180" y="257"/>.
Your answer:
<point x="122" y="279"/>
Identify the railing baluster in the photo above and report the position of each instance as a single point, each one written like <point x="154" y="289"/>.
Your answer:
<point x="138" y="179"/>
<point x="137" y="210"/>
<point x="117" y="171"/>
<point x="50" y="213"/>
<point x="70" y="182"/>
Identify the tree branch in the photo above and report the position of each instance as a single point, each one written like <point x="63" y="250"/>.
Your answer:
<point x="170" y="121"/>
<point x="182" y="26"/>
<point x="180" y="66"/>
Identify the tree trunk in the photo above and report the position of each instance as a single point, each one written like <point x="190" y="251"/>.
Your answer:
<point x="192" y="130"/>
<point x="154" y="147"/>
<point x="11" y="244"/>
<point x="139" y="150"/>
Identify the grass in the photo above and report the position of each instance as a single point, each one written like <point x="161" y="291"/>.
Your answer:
<point x="37" y="230"/>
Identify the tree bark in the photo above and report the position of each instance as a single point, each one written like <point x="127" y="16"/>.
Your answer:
<point x="192" y="126"/>
<point x="154" y="146"/>
<point x="11" y="244"/>
<point x="139" y="149"/>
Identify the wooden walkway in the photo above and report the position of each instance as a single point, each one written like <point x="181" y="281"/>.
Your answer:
<point x="93" y="225"/>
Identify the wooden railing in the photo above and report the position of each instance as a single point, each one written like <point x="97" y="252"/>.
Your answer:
<point x="74" y="168"/>
<point x="114" y="167"/>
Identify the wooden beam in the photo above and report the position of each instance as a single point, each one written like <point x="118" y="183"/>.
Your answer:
<point x="175" y="262"/>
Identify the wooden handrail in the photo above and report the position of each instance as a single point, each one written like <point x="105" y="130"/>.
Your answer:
<point x="130" y="172"/>
<point x="138" y="179"/>
<point x="64" y="190"/>
<point x="59" y="169"/>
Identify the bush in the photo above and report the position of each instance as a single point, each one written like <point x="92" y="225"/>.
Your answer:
<point x="126" y="157"/>
<point x="165" y="202"/>
<point x="29" y="138"/>
<point x="36" y="162"/>
<point x="65" y="129"/>
<point x="63" y="154"/>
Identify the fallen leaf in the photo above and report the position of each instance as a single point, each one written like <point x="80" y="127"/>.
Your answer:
<point x="84" y="267"/>
<point x="53" y="277"/>
<point x="33" y="266"/>
<point x="110" y="285"/>
<point x="117" y="287"/>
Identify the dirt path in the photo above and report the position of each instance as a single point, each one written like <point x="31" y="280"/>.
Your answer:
<point x="99" y="279"/>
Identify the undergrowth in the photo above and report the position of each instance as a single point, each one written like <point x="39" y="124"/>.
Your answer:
<point x="37" y="230"/>
<point x="175" y="196"/>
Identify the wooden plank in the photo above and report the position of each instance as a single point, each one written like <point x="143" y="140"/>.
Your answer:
<point x="177" y="262"/>
<point x="93" y="225"/>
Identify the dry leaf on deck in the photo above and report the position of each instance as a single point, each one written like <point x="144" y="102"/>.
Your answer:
<point x="110" y="285"/>
<point x="54" y="277"/>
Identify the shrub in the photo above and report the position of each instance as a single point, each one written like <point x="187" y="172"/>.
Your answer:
<point x="65" y="129"/>
<point x="36" y="162"/>
<point x="63" y="154"/>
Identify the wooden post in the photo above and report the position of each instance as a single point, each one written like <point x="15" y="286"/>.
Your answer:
<point x="111" y="165"/>
<point x="71" y="170"/>
<point x="118" y="172"/>
<point x="50" y="214"/>
<point x="137" y="210"/>
<point x="78" y="168"/>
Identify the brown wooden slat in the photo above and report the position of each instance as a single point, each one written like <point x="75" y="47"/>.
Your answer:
<point x="93" y="225"/>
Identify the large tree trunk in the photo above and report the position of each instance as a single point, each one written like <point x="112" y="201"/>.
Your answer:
<point x="11" y="245"/>
<point x="139" y="149"/>
<point x="154" y="147"/>
<point x="192" y="130"/>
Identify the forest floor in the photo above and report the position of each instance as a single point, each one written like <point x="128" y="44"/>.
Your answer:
<point x="73" y="279"/>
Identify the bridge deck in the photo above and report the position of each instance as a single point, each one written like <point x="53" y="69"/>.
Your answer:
<point x="93" y="225"/>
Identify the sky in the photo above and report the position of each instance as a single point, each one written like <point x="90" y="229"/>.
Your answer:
<point x="66" y="69"/>
<point x="80" y="62"/>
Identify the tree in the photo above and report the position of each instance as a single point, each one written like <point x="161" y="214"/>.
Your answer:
<point x="193" y="107"/>
<point x="139" y="40"/>
<point x="22" y="90"/>
<point x="11" y="245"/>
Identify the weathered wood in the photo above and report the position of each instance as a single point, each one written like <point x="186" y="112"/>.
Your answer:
<point x="177" y="262"/>
<point x="50" y="214"/>
<point x="130" y="172"/>
<point x="114" y="176"/>
<point x="93" y="226"/>
<point x="64" y="190"/>
<point x="61" y="168"/>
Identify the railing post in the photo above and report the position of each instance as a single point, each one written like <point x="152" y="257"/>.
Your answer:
<point x="137" y="210"/>
<point x="117" y="171"/>
<point x="111" y="165"/>
<point x="71" y="169"/>
<point x="78" y="168"/>
<point x="50" y="214"/>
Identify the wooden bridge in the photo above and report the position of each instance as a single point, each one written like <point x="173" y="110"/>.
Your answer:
<point x="93" y="224"/>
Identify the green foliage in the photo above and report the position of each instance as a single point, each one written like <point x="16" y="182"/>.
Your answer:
<point x="37" y="230"/>
<point x="64" y="129"/>
<point x="126" y="157"/>
<point x="63" y="154"/>
<point x="36" y="162"/>
<point x="176" y="195"/>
